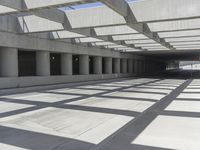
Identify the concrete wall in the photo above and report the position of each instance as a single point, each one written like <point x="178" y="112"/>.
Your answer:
<point x="10" y="43"/>
<point x="18" y="82"/>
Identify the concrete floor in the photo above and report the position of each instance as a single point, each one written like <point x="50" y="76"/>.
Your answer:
<point x="126" y="114"/>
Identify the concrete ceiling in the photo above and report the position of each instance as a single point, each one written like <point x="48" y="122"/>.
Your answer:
<point x="148" y="27"/>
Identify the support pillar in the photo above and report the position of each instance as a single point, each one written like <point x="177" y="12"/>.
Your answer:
<point x="130" y="66"/>
<point x="84" y="65"/>
<point x="117" y="65"/>
<point x="97" y="65"/>
<point x="9" y="62"/>
<point x="124" y="65"/>
<point x="66" y="64"/>
<point x="42" y="63"/>
<point x="108" y="65"/>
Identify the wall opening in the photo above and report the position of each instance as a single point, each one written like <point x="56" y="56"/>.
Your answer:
<point x="75" y="61"/>
<point x="113" y="65"/>
<point x="27" y="63"/>
<point x="91" y="65"/>
<point x="121" y="66"/>
<point x="103" y="65"/>
<point x="55" y="63"/>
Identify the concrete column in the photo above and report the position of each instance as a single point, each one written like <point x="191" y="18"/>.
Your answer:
<point x="9" y="62"/>
<point x="108" y="65"/>
<point x="124" y="65"/>
<point x="117" y="65"/>
<point x="130" y="66"/>
<point x="84" y="64"/>
<point x="97" y="65"/>
<point x="42" y="63"/>
<point x="66" y="64"/>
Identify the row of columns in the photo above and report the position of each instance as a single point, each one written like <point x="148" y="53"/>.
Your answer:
<point x="9" y="64"/>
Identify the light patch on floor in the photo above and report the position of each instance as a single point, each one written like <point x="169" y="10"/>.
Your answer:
<point x="157" y="87"/>
<point x="187" y="106"/>
<point x="86" y="126"/>
<point x="98" y="87"/>
<point x="10" y="147"/>
<point x="9" y="106"/>
<point x="189" y="96"/>
<point x="77" y="91"/>
<point x="41" y="97"/>
<point x="136" y="95"/>
<point x="192" y="90"/>
<point x="112" y="103"/>
<point x="171" y="132"/>
<point x="162" y="91"/>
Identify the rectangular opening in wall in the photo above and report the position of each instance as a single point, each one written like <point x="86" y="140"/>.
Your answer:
<point x="113" y="65"/>
<point x="121" y="66"/>
<point x="103" y="65"/>
<point x="27" y="63"/>
<point x="138" y="66"/>
<point x="134" y="66"/>
<point x="75" y="64"/>
<point x="55" y="63"/>
<point x="91" y="64"/>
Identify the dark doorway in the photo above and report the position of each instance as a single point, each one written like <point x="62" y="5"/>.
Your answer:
<point x="55" y="63"/>
<point x="127" y="66"/>
<point x="27" y="63"/>
<point x="121" y="66"/>
<point x="113" y="65"/>
<point x="75" y="64"/>
<point x="91" y="64"/>
<point x="103" y="65"/>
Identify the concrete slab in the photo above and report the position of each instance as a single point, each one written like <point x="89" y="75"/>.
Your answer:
<point x="172" y="133"/>
<point x="157" y="87"/>
<point x="189" y="96"/>
<point x="113" y="103"/>
<point x="161" y="91"/>
<point x="136" y="95"/>
<point x="186" y="106"/>
<point x="80" y="125"/>
<point x="113" y="115"/>
<point x="77" y="91"/>
<point x="9" y="106"/>
<point x="41" y="97"/>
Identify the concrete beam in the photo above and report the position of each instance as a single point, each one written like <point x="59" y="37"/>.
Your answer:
<point x="34" y="43"/>
<point x="117" y="5"/>
<point x="15" y="4"/>
<point x="132" y="21"/>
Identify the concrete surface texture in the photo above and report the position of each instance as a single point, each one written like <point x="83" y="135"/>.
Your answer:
<point x="126" y="114"/>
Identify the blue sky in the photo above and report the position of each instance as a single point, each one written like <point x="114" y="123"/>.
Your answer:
<point x="82" y="6"/>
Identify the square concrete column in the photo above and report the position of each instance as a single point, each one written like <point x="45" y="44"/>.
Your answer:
<point x="9" y="62"/>
<point x="117" y="65"/>
<point x="66" y="64"/>
<point x="43" y="63"/>
<point x="97" y="65"/>
<point x="124" y="65"/>
<point x="108" y="65"/>
<point x="130" y="66"/>
<point x="84" y="64"/>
